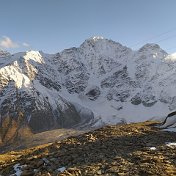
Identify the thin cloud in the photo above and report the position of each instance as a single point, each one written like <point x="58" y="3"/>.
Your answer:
<point x="7" y="43"/>
<point x="25" y="44"/>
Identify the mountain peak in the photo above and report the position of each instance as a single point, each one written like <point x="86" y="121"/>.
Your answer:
<point x="150" y="47"/>
<point x="104" y="45"/>
<point x="4" y="53"/>
<point x="154" y="49"/>
<point x="96" y="38"/>
<point x="34" y="55"/>
<point x="93" y="40"/>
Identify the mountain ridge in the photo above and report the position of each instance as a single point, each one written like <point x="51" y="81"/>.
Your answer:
<point x="100" y="82"/>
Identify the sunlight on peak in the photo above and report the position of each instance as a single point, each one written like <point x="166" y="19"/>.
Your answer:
<point x="34" y="55"/>
<point x="173" y="54"/>
<point x="171" y="57"/>
<point x="95" y="38"/>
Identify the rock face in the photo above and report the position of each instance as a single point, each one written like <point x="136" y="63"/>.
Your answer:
<point x="101" y="81"/>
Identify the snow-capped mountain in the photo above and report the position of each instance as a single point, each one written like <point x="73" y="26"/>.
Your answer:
<point x="99" y="82"/>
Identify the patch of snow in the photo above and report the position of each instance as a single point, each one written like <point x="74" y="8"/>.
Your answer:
<point x="171" y="144"/>
<point x="96" y="38"/>
<point x="61" y="169"/>
<point x="169" y="129"/>
<point x="35" y="56"/>
<point x="152" y="148"/>
<point x="170" y="122"/>
<point x="171" y="57"/>
<point x="139" y="113"/>
<point x="17" y="168"/>
<point x="20" y="79"/>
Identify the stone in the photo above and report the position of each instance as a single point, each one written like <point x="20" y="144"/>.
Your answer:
<point x="99" y="172"/>
<point x="27" y="173"/>
<point x="39" y="163"/>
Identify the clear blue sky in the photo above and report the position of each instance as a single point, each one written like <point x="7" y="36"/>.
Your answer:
<point x="53" y="25"/>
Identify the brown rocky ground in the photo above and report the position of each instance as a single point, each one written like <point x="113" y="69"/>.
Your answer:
<point x="121" y="150"/>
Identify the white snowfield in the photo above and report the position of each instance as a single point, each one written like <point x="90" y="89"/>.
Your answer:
<point x="101" y="76"/>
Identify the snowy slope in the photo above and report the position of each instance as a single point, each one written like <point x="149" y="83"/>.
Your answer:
<point x="100" y="80"/>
